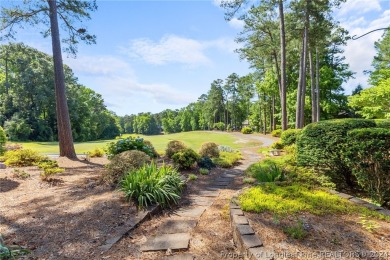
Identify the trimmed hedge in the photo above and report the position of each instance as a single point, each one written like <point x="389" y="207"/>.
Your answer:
<point x="246" y="130"/>
<point x="209" y="149"/>
<point x="321" y="145"/>
<point x="289" y="136"/>
<point x="185" y="159"/>
<point x="3" y="140"/>
<point x="368" y="155"/>
<point x="382" y="123"/>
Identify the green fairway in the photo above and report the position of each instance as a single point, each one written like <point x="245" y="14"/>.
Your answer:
<point x="191" y="139"/>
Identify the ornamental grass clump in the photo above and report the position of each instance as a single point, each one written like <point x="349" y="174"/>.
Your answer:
<point x="151" y="185"/>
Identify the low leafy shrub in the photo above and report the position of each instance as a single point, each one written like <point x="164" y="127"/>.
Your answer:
<point x="277" y="145"/>
<point x="309" y="178"/>
<point x="296" y="231"/>
<point x="48" y="172"/>
<point x="185" y="159"/>
<point x="209" y="149"/>
<point x="45" y="164"/>
<point x="382" y="123"/>
<point x="291" y="151"/>
<point x="192" y="177"/>
<point x="97" y="152"/>
<point x="206" y="163"/>
<point x="173" y="147"/>
<point x="203" y="171"/>
<point x="321" y="145"/>
<point x="150" y="185"/>
<point x="3" y="140"/>
<point x="249" y="180"/>
<point x="21" y="158"/>
<point x="225" y="148"/>
<point x="219" y="126"/>
<point x="127" y="144"/>
<point x="246" y="130"/>
<point x="20" y="174"/>
<point x="227" y="160"/>
<point x="289" y="137"/>
<point x="276" y="133"/>
<point x="265" y="171"/>
<point x="124" y="162"/>
<point x="368" y="155"/>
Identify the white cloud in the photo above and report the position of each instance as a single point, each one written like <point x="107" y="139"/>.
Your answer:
<point x="359" y="7"/>
<point x="236" y="23"/>
<point x="359" y="53"/>
<point x="176" y="49"/>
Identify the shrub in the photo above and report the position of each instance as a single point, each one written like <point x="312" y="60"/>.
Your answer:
<point x="321" y="145"/>
<point x="277" y="145"/>
<point x="173" y="147"/>
<point x="209" y="149"/>
<point x="3" y="140"/>
<point x="276" y="133"/>
<point x="127" y="144"/>
<point x="20" y="174"/>
<point x="368" y="156"/>
<point x="97" y="152"/>
<point x="45" y="164"/>
<point x="21" y="158"/>
<point x="150" y="185"/>
<point x="203" y="171"/>
<point x="383" y="123"/>
<point x="192" y="177"/>
<point x="227" y="160"/>
<point x="225" y="148"/>
<point x="219" y="126"/>
<point x="265" y="171"/>
<point x="289" y="136"/>
<point x="47" y="172"/>
<point x="185" y="159"/>
<point x="153" y="150"/>
<point x="246" y="130"/>
<point x="123" y="163"/>
<point x="206" y="162"/>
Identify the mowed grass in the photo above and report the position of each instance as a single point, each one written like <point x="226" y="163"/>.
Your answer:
<point x="191" y="139"/>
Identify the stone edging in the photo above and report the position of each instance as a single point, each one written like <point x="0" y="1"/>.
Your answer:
<point x="129" y="226"/>
<point x="244" y="237"/>
<point x="361" y="202"/>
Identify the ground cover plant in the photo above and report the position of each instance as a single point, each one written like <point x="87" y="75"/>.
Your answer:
<point x="22" y="157"/>
<point x="151" y="184"/>
<point x="227" y="159"/>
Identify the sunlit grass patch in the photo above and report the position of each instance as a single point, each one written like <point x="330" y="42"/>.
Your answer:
<point x="295" y="199"/>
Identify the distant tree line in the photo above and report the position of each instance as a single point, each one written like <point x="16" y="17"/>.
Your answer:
<point x="27" y="102"/>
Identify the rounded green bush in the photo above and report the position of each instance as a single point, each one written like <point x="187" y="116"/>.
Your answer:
<point x="124" y="162"/>
<point x="185" y="159"/>
<point x="22" y="157"/>
<point x="206" y="162"/>
<point x="246" y="130"/>
<point x="276" y="133"/>
<point x="173" y="147"/>
<point x="209" y="149"/>
<point x="289" y="136"/>
<point x="277" y="145"/>
<point x="3" y="140"/>
<point x="130" y="143"/>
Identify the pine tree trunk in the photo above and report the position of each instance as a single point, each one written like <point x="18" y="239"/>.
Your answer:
<point x="318" y="85"/>
<point x="283" y="99"/>
<point x="313" y="88"/>
<point x="265" y="114"/>
<point x="299" y="91"/>
<point x="63" y="120"/>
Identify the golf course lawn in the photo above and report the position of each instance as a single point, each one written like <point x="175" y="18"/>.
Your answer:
<point x="191" y="139"/>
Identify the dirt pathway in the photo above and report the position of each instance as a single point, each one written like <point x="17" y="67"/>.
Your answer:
<point x="200" y="227"/>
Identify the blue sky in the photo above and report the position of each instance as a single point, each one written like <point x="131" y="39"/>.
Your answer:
<point x="153" y="55"/>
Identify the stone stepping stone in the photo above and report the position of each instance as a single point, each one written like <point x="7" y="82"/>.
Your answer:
<point x="185" y="256"/>
<point x="224" y="184"/>
<point x="177" y="226"/>
<point x="163" y="242"/>
<point x="193" y="212"/>
<point x="201" y="201"/>
<point x="209" y="193"/>
<point x="345" y="196"/>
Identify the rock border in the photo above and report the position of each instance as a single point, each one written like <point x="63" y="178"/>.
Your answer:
<point x="128" y="226"/>
<point x="361" y="202"/>
<point x="247" y="241"/>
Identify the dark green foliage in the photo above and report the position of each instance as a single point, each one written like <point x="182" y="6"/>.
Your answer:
<point x="123" y="163"/>
<point x="368" y="155"/>
<point x="3" y="140"/>
<point x="127" y="144"/>
<point x="185" y="159"/>
<point x="209" y="149"/>
<point x="206" y="162"/>
<point x="173" y="147"/>
<point x="321" y="145"/>
<point x="21" y="158"/>
<point x="152" y="185"/>
<point x="246" y="130"/>
<point x="265" y="171"/>
<point x="277" y="145"/>
<point x="219" y="126"/>
<point x="289" y="137"/>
